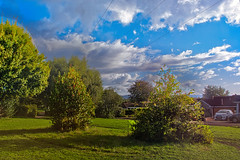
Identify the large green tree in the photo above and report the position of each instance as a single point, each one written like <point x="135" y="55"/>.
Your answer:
<point x="58" y="66"/>
<point x="90" y="77"/>
<point x="23" y="71"/>
<point x="212" y="91"/>
<point x="109" y="105"/>
<point x="140" y="91"/>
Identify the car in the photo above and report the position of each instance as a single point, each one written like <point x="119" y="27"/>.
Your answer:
<point x="235" y="118"/>
<point x="223" y="114"/>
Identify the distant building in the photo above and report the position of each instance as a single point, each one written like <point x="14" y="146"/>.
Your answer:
<point x="214" y="104"/>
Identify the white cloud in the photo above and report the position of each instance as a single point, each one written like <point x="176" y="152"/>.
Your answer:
<point x="199" y="67"/>
<point x="236" y="63"/>
<point x="117" y="57"/>
<point x="238" y="73"/>
<point x="161" y="14"/>
<point x="196" y="43"/>
<point x="214" y="55"/>
<point x="107" y="57"/>
<point x="124" y="11"/>
<point x="207" y="75"/>
<point x="190" y="12"/>
<point x="120" y="82"/>
<point x="236" y="83"/>
<point x="229" y="68"/>
<point x="134" y="32"/>
<point x="191" y="84"/>
<point x="151" y="78"/>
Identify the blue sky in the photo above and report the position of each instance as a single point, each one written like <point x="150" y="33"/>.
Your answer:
<point x="130" y="40"/>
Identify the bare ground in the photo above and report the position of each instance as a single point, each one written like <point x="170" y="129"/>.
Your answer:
<point x="210" y="121"/>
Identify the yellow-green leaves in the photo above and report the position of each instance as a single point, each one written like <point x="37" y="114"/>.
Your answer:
<point x="170" y="114"/>
<point x="23" y="72"/>
<point x="71" y="106"/>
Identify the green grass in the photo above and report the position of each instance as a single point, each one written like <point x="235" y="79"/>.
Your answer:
<point x="106" y="139"/>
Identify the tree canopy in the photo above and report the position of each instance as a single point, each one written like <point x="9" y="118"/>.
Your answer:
<point x="109" y="105"/>
<point x="140" y="91"/>
<point x="90" y="77"/>
<point x="213" y="91"/>
<point x="23" y="71"/>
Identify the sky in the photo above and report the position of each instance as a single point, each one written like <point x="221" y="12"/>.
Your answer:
<point x="129" y="40"/>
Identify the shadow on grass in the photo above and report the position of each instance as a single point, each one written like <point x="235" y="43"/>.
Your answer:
<point x="25" y="131"/>
<point x="79" y="140"/>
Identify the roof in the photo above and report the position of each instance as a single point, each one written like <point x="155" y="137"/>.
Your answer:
<point x="223" y="100"/>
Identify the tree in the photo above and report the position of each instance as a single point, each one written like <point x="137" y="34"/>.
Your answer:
<point x="109" y="105"/>
<point x="23" y="71"/>
<point x="57" y="66"/>
<point x="140" y="91"/>
<point x="211" y="91"/>
<point x="70" y="105"/>
<point x="169" y="115"/>
<point x="90" y="77"/>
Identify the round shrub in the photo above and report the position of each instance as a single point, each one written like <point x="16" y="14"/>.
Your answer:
<point x="171" y="115"/>
<point x="71" y="106"/>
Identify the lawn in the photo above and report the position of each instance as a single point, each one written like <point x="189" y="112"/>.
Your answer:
<point x="106" y="139"/>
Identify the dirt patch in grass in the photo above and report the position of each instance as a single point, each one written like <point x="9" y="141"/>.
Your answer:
<point x="212" y="122"/>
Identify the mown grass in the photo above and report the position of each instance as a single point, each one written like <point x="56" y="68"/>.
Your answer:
<point x="106" y="139"/>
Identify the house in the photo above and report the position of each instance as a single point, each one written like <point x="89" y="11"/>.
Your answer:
<point x="214" y="104"/>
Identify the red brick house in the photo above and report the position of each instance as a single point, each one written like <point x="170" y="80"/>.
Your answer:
<point x="220" y="102"/>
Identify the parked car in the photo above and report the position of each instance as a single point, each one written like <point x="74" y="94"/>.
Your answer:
<point x="235" y="118"/>
<point x="223" y="114"/>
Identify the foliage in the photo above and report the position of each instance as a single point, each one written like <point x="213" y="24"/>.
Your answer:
<point x="27" y="110"/>
<point x="8" y="107"/>
<point x="211" y="91"/>
<point x="70" y="104"/>
<point x="120" y="112"/>
<point x="203" y="134"/>
<point x="24" y="72"/>
<point x="170" y="114"/>
<point x="140" y="91"/>
<point x="90" y="77"/>
<point x="109" y="106"/>
<point x="129" y="112"/>
<point x="58" y="66"/>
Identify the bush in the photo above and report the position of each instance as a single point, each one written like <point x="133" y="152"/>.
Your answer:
<point x="8" y="107"/>
<point x="120" y="112"/>
<point x="71" y="106"/>
<point x="109" y="105"/>
<point x="29" y="110"/>
<point x="203" y="134"/>
<point x="129" y="112"/>
<point x="169" y="115"/>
